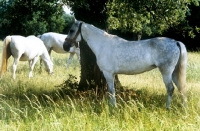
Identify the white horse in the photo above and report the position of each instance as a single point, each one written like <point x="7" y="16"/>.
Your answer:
<point x="118" y="56"/>
<point x="54" y="41"/>
<point x="24" y="49"/>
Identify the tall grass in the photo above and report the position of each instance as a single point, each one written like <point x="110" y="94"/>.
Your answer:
<point x="40" y="103"/>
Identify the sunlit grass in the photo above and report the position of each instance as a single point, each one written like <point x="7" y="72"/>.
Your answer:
<point x="40" y="104"/>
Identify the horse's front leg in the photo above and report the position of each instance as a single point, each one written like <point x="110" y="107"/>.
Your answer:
<point x="41" y="61"/>
<point x="15" y="63"/>
<point x="77" y="51"/>
<point x="31" y="66"/>
<point x="69" y="60"/>
<point x="111" y="89"/>
<point x="30" y="70"/>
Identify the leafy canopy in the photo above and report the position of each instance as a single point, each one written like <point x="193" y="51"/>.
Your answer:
<point x="150" y="16"/>
<point x="31" y="17"/>
<point x="90" y="11"/>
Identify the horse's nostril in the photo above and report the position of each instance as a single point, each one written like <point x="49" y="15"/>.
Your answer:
<point x="66" y="46"/>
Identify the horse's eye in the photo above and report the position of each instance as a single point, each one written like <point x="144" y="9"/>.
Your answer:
<point x="71" y="31"/>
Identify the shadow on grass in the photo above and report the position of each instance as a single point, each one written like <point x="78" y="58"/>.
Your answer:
<point x="68" y="90"/>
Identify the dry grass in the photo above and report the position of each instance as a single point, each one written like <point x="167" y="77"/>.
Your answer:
<point x="38" y="104"/>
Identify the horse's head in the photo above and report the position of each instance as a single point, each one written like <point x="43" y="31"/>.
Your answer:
<point x="49" y="67"/>
<point x="73" y="37"/>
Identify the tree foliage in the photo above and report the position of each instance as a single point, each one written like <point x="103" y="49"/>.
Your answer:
<point x="69" y="20"/>
<point x="31" y="17"/>
<point x="90" y="11"/>
<point x="150" y="16"/>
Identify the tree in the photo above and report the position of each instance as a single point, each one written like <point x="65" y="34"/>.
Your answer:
<point x="188" y="31"/>
<point x="93" y="12"/>
<point x="150" y="16"/>
<point x="91" y="76"/>
<point x="90" y="11"/>
<point x="31" y="17"/>
<point x="69" y="19"/>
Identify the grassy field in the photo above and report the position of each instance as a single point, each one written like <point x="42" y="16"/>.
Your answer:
<point x="40" y="104"/>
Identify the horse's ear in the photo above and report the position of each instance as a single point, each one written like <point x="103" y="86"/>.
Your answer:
<point x="39" y="36"/>
<point x="74" y="19"/>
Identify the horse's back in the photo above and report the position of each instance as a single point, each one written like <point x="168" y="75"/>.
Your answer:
<point x="54" y="41"/>
<point x="133" y="57"/>
<point x="164" y="49"/>
<point x="26" y="48"/>
<point x="53" y="36"/>
<point x="34" y="44"/>
<point x="17" y="44"/>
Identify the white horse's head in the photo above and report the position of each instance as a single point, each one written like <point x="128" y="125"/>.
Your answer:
<point x="49" y="66"/>
<point x="73" y="37"/>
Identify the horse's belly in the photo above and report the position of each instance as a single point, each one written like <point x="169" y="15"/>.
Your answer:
<point x="59" y="50"/>
<point x="25" y="57"/>
<point x="134" y="69"/>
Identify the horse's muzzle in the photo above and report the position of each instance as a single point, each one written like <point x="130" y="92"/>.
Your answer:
<point x="51" y="73"/>
<point x="67" y="45"/>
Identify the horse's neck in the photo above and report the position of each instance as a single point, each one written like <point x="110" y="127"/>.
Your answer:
<point x="45" y="57"/>
<point x="94" y="37"/>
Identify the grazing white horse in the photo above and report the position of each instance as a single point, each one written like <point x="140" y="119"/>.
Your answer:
<point x="118" y="56"/>
<point x="24" y="49"/>
<point x="54" y="41"/>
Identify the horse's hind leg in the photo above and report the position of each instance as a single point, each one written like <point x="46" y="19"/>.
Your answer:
<point x="167" y="78"/>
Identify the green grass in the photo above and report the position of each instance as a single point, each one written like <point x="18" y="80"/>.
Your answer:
<point x="40" y="104"/>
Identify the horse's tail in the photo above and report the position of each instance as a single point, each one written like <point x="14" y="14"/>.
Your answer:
<point x="179" y="74"/>
<point x="5" y="54"/>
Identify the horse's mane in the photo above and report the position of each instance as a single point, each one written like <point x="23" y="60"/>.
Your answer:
<point x="95" y="28"/>
<point x="103" y="32"/>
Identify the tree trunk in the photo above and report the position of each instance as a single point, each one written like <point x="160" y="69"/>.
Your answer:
<point x="88" y="61"/>
<point x="91" y="76"/>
